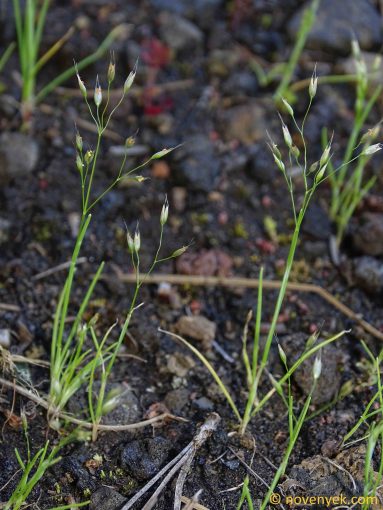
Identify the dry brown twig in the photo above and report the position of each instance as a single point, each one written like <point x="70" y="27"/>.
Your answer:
<point x="12" y="385"/>
<point x="182" y="463"/>
<point x="253" y="283"/>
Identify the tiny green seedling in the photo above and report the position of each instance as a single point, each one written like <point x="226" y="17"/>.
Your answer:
<point x="30" y="20"/>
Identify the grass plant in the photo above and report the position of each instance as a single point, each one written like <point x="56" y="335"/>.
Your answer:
<point x="307" y="22"/>
<point x="76" y="352"/>
<point x="348" y="185"/>
<point x="255" y="365"/>
<point x="30" y="20"/>
<point x="34" y="467"/>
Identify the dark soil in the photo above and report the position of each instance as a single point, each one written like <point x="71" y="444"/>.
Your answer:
<point x="221" y="186"/>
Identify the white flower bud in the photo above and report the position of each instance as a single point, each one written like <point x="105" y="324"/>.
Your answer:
<point x="111" y="72"/>
<point x="179" y="252"/>
<point x="372" y="149"/>
<point x="137" y="240"/>
<point x="287" y="136"/>
<point x="325" y="155"/>
<point x="79" y="163"/>
<point x="81" y="86"/>
<point x="355" y="48"/>
<point x="130" y="79"/>
<point x="97" y="93"/>
<point x="78" y="142"/>
<point x="313" y="84"/>
<point x="320" y="174"/>
<point x="295" y="151"/>
<point x="161" y="154"/>
<point x="288" y="107"/>
<point x="164" y="212"/>
<point x="130" y="241"/>
<point x="279" y="163"/>
<point x="282" y="354"/>
<point x="89" y="157"/>
<point x="317" y="368"/>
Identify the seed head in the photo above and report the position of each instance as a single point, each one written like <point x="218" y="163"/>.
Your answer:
<point x="282" y="354"/>
<point x="370" y="134"/>
<point x="97" y="93"/>
<point x="130" y="141"/>
<point x="320" y="174"/>
<point x="111" y="72"/>
<point x="288" y="107"/>
<point x="130" y="79"/>
<point x="313" y="83"/>
<point x="88" y="157"/>
<point x="287" y="136"/>
<point x="78" y="142"/>
<point x="130" y="241"/>
<point x="279" y="163"/>
<point x="137" y="240"/>
<point x="355" y="48"/>
<point x="139" y="178"/>
<point x="79" y="163"/>
<point x="372" y="149"/>
<point x="313" y="167"/>
<point x="179" y="252"/>
<point x="164" y="212"/>
<point x="274" y="149"/>
<point x="161" y="154"/>
<point x="81" y="86"/>
<point x="317" y="368"/>
<point x="325" y="155"/>
<point x="295" y="151"/>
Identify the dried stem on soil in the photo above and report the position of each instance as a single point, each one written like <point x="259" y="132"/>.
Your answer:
<point x="82" y="423"/>
<point x="253" y="283"/>
<point x="182" y="463"/>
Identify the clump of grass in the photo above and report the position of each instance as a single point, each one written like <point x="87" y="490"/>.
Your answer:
<point x="34" y="467"/>
<point x="77" y="354"/>
<point x="30" y="20"/>
<point x="373" y="421"/>
<point x="348" y="185"/>
<point x="307" y="22"/>
<point x="255" y="364"/>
